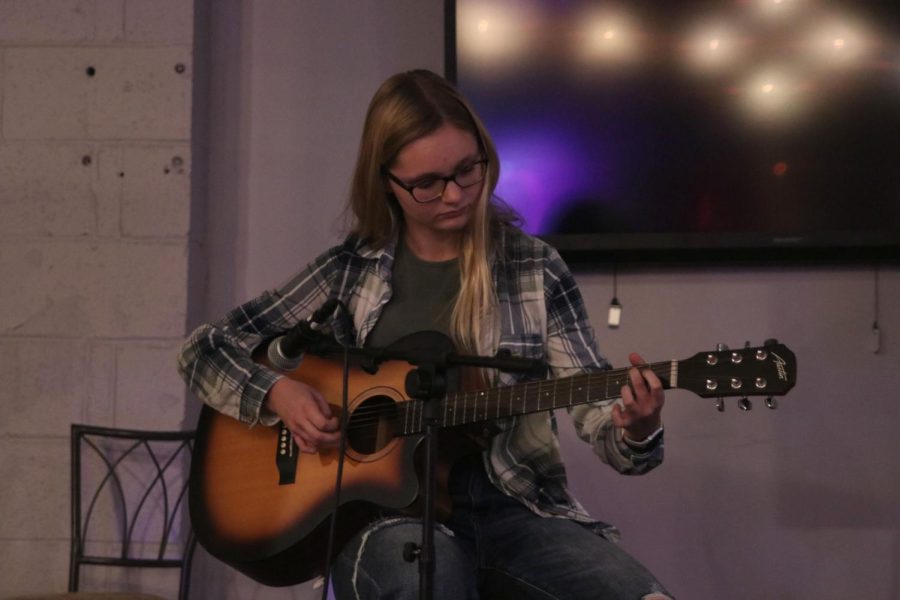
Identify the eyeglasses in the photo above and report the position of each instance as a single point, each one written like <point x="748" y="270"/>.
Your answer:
<point x="432" y="188"/>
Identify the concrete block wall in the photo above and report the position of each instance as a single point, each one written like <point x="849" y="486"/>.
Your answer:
<point x="95" y="167"/>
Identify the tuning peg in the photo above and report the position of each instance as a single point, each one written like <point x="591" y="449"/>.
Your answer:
<point x="745" y="404"/>
<point x="720" y="404"/>
<point x="771" y="403"/>
<point x="721" y="347"/>
<point x="770" y="342"/>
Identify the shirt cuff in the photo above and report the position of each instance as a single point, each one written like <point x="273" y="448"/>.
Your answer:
<point x="646" y="445"/>
<point x="254" y="396"/>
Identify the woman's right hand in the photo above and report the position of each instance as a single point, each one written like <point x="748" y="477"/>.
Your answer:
<point x="306" y="414"/>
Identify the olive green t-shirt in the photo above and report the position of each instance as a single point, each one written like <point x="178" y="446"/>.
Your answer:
<point x="422" y="298"/>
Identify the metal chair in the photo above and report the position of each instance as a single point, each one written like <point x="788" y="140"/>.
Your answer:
<point x="129" y="490"/>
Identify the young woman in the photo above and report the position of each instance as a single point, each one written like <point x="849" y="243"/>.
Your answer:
<point x="432" y="249"/>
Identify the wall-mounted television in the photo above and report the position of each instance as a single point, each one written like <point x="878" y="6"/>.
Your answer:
<point x="691" y="130"/>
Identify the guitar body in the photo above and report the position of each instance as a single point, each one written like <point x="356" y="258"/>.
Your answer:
<point x="276" y="533"/>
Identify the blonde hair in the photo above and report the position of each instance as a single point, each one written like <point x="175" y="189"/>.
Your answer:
<point x="406" y="107"/>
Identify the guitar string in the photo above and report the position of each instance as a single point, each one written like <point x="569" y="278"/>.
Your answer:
<point x="481" y="414"/>
<point x="366" y="416"/>
<point x="529" y="388"/>
<point x="530" y="391"/>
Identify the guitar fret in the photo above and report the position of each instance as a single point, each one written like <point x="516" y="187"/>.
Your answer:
<point x="618" y="383"/>
<point x="405" y="418"/>
<point x="422" y="410"/>
<point x="404" y="408"/>
<point x="407" y="426"/>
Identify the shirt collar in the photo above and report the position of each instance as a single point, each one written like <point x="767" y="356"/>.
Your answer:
<point x="384" y="256"/>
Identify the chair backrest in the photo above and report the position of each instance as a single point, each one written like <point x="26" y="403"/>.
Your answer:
<point x="129" y="490"/>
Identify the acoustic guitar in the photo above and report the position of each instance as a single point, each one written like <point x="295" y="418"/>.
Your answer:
<point x="264" y="508"/>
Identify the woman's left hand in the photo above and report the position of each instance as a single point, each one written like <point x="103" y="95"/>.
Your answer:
<point x="642" y="401"/>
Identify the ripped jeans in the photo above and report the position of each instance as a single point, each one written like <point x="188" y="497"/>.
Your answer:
<point x="492" y="548"/>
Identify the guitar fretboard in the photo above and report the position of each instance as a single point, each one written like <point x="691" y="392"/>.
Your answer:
<point x="463" y="408"/>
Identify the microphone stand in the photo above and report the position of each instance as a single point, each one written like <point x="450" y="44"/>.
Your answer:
<point x="427" y="382"/>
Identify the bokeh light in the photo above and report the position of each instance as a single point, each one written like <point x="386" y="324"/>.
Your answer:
<point x="713" y="47"/>
<point x="495" y="33"/>
<point x="607" y="38"/>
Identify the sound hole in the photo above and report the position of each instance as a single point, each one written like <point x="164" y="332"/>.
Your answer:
<point x="372" y="425"/>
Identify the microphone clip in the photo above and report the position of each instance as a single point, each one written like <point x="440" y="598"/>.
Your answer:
<point x="286" y="352"/>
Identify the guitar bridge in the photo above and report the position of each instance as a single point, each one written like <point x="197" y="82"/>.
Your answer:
<point x="286" y="457"/>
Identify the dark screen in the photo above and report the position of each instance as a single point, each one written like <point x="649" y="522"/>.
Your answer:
<point x="672" y="124"/>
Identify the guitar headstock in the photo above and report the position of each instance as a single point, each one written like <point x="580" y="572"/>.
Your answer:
<point x="768" y="370"/>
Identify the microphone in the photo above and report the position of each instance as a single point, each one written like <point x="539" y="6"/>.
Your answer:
<point x="286" y="351"/>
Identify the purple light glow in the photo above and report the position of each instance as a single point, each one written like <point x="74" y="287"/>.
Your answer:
<point x="543" y="171"/>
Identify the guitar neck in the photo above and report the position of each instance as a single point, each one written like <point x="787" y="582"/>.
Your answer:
<point x="463" y="408"/>
<point x="768" y="370"/>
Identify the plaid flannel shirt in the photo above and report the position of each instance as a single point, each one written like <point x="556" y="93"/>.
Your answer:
<point x="540" y="314"/>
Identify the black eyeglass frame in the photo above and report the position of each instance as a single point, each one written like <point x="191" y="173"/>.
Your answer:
<point x="409" y="188"/>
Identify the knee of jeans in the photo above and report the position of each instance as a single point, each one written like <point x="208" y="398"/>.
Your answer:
<point x="396" y="531"/>
<point x="377" y="561"/>
<point x="358" y="578"/>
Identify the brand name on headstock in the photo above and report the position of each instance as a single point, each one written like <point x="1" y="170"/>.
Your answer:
<point x="780" y="367"/>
